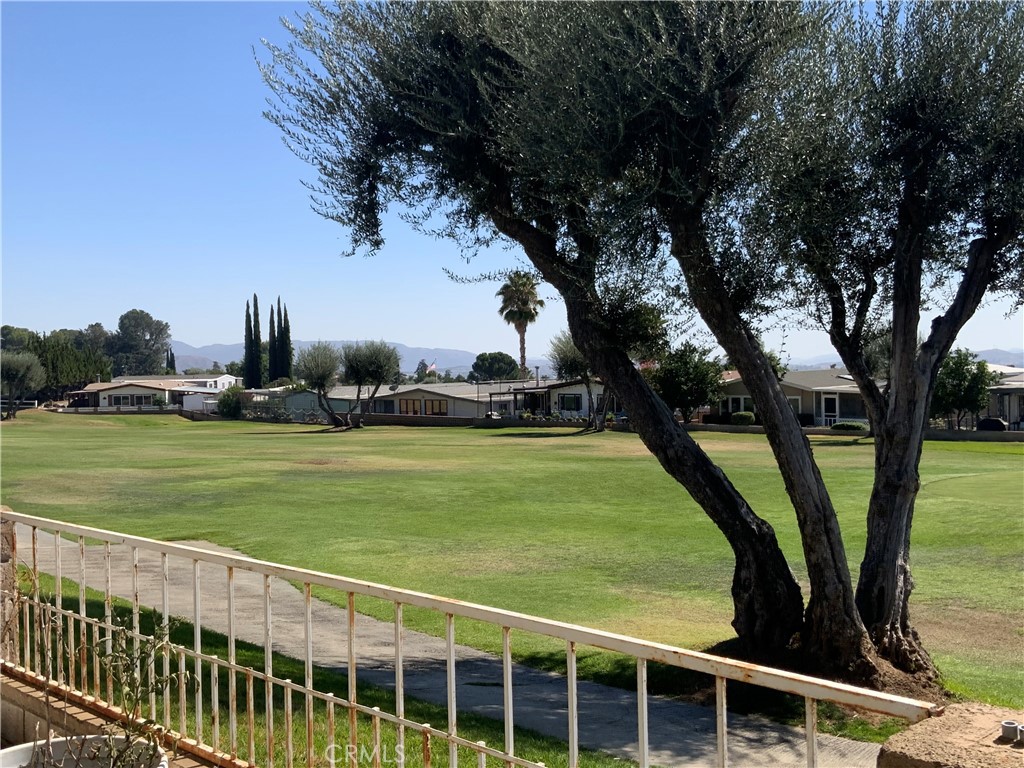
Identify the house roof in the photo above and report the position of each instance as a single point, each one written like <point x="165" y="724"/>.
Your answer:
<point x="826" y="379"/>
<point x="162" y="385"/>
<point x="460" y="390"/>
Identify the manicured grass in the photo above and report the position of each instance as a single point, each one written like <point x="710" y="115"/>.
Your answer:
<point x="576" y="527"/>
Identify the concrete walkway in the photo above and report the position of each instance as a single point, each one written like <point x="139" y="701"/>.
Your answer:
<point x="680" y="734"/>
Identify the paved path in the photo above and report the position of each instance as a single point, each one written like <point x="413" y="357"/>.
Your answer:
<point x="680" y="734"/>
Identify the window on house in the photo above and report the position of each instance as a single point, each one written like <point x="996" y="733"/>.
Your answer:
<point x="143" y="400"/>
<point x="570" y="402"/>
<point x="435" y="407"/>
<point x="409" y="407"/>
<point x="120" y="399"/>
<point x="383" y="406"/>
<point x="740" y="403"/>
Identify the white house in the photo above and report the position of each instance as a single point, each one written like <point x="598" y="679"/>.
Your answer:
<point x="1006" y="399"/>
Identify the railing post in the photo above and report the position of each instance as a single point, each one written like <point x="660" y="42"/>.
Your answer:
<point x="641" y="713"/>
<point x="9" y="588"/>
<point x="811" y="726"/>
<point x="721" y="723"/>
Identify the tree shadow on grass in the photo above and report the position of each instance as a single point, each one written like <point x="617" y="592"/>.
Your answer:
<point x="861" y="441"/>
<point x="546" y="434"/>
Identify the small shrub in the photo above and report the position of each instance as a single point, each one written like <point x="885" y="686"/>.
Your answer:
<point x="743" y="419"/>
<point x="229" y="404"/>
<point x="850" y="426"/>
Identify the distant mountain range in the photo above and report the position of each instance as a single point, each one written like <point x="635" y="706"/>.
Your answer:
<point x="460" y="361"/>
<point x="456" y="360"/>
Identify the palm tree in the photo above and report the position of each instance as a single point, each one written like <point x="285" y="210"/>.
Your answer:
<point x="520" y="306"/>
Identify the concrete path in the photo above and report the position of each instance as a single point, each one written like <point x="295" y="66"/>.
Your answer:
<point x="680" y="734"/>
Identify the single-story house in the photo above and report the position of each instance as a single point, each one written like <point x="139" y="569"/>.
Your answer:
<point x="826" y="396"/>
<point x="461" y="399"/>
<point x="207" y="381"/>
<point x="1006" y="399"/>
<point x="133" y="391"/>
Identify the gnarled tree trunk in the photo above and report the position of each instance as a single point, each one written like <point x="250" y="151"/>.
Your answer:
<point x="767" y="602"/>
<point x="834" y="639"/>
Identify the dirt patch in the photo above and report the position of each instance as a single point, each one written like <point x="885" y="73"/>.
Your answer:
<point x="953" y="628"/>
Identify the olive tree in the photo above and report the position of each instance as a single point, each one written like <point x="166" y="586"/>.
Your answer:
<point x="20" y="373"/>
<point x="418" y="103"/>
<point x="318" y="366"/>
<point x="369" y="364"/>
<point x="892" y="183"/>
<point x="633" y="148"/>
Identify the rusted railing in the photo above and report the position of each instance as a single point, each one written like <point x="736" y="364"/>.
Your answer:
<point x="217" y="709"/>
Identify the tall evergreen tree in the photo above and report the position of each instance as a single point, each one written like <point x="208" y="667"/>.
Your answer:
<point x="287" y="351"/>
<point x="257" y="343"/>
<point x="248" y="377"/>
<point x="170" y="365"/>
<point x="273" y="367"/>
<point x="283" y="355"/>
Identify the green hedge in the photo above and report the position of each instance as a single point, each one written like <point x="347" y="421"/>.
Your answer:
<point x="850" y="426"/>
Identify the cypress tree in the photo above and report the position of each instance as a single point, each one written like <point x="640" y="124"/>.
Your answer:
<point x="273" y="373"/>
<point x="283" y="366"/>
<point x="247" y="374"/>
<point x="257" y="344"/>
<point x="288" y="351"/>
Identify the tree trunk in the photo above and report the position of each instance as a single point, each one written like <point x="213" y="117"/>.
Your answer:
<point x="885" y="584"/>
<point x="834" y="639"/>
<point x="325" y="405"/>
<point x="767" y="602"/>
<point x="521" y="330"/>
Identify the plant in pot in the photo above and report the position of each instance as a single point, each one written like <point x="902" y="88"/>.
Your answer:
<point x="129" y="662"/>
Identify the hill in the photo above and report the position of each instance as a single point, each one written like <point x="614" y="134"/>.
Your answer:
<point x="456" y="360"/>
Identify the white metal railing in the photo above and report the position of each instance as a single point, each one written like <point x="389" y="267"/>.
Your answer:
<point x="244" y="739"/>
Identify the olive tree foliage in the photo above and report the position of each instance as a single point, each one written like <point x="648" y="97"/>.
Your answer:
<point x="639" y="149"/>
<point x="962" y="386"/>
<point x="369" y="364"/>
<point x="318" y="366"/>
<point x="433" y="105"/>
<point x="569" y="363"/>
<point x="20" y="373"/>
<point x="893" y="189"/>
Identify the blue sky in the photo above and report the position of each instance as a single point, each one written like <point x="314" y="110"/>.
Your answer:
<point x="138" y="172"/>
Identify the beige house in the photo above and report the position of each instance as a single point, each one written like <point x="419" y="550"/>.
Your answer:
<point x="822" y="397"/>
<point x="465" y="399"/>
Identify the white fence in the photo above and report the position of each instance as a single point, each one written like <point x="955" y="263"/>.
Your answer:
<point x="216" y="711"/>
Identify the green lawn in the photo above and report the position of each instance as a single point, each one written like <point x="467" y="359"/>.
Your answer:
<point x="576" y="527"/>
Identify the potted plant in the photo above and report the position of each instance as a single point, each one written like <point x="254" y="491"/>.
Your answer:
<point x="132" y="741"/>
